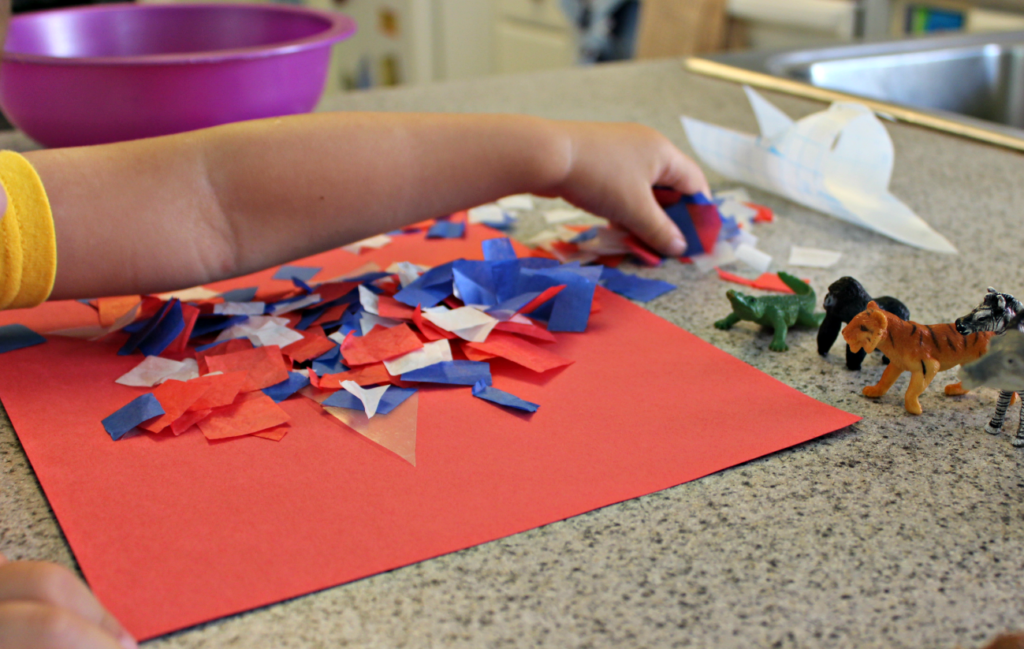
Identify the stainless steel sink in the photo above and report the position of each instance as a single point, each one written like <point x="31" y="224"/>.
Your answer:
<point x="976" y="79"/>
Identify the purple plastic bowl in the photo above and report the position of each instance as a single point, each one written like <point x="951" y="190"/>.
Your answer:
<point x="119" y="72"/>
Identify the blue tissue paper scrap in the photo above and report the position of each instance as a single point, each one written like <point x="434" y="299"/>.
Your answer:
<point x="18" y="336"/>
<point x="633" y="287"/>
<point x="137" y="411"/>
<point x="286" y="388"/>
<point x="498" y="249"/>
<point x="446" y="230"/>
<point x="452" y="373"/>
<point x="502" y="398"/>
<point x="169" y="328"/>
<point x="288" y="273"/>
<point x="240" y="294"/>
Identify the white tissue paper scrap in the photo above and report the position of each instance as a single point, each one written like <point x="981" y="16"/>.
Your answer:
<point x="369" y="396"/>
<point x="813" y="257"/>
<point x="838" y="161"/>
<point x="430" y="354"/>
<point x="751" y="256"/>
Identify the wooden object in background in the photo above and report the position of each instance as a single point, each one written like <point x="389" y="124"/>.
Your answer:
<point x="670" y="28"/>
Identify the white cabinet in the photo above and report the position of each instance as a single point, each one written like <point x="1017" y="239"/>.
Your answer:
<point x="532" y="35"/>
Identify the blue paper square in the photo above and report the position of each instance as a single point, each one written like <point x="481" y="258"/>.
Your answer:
<point x="452" y="373"/>
<point x="18" y="336"/>
<point x="286" y="388"/>
<point x="498" y="249"/>
<point x="446" y="230"/>
<point x="633" y="287"/>
<point x="288" y="273"/>
<point x="240" y="294"/>
<point x="137" y="411"/>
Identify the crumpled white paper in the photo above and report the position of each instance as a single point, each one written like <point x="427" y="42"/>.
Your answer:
<point x="838" y="161"/>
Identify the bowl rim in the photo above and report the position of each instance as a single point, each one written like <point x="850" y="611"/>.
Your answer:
<point x="340" y="26"/>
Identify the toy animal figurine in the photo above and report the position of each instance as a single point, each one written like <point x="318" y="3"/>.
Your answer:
<point x="922" y="350"/>
<point x="995" y="313"/>
<point x="846" y="298"/>
<point x="1001" y="368"/>
<point x="780" y="312"/>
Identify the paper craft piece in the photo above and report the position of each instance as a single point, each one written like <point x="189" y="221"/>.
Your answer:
<point x="446" y="230"/>
<point x="188" y="371"/>
<point x="365" y="375"/>
<point x="16" y="336"/>
<point x="308" y="348"/>
<point x="194" y="294"/>
<point x="272" y="335"/>
<point x="175" y="397"/>
<point x="721" y="256"/>
<point x="498" y="250"/>
<point x="813" y="257"/>
<point x="554" y="217"/>
<point x="487" y="214"/>
<point x="263" y="366"/>
<point x="368" y="397"/>
<point x="187" y="421"/>
<point x="286" y="388"/>
<point x="502" y="398"/>
<point x="452" y="373"/>
<point x="153" y="370"/>
<point x="250" y="414"/>
<point x="515" y="202"/>
<point x="288" y="273"/>
<point x="372" y="243"/>
<point x="519" y="351"/>
<point x="239" y="308"/>
<point x="764" y="282"/>
<point x="430" y="354"/>
<point x="633" y="287"/>
<point x="465" y="322"/>
<point x="753" y="257"/>
<point x="112" y="308"/>
<point x="240" y="294"/>
<point x="134" y="413"/>
<point x="699" y="221"/>
<point x="324" y="507"/>
<point x="368" y="300"/>
<point x="395" y="431"/>
<point x="528" y="330"/>
<point x="275" y="434"/>
<point x="838" y="161"/>
<point x="379" y="344"/>
<point x="294" y="304"/>
<point x="393" y="396"/>
<point x="221" y="390"/>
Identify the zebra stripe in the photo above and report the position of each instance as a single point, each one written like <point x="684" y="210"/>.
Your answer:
<point x="1002" y="404"/>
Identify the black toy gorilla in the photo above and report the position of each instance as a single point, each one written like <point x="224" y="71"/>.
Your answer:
<point x="846" y="298"/>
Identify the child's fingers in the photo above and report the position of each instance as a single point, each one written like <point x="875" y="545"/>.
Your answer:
<point x="55" y="586"/>
<point x="654" y="228"/>
<point x="683" y="175"/>
<point x="33" y="625"/>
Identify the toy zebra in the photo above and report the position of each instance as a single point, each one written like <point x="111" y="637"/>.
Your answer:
<point x="997" y="312"/>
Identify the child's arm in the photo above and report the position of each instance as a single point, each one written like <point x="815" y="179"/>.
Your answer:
<point x="44" y="606"/>
<point x="188" y="209"/>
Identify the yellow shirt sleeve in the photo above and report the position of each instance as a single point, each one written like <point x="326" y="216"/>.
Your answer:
<point x="28" y="245"/>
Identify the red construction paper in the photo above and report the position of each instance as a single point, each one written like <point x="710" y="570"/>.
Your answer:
<point x="517" y="350"/>
<point x="379" y="344"/>
<point x="233" y="526"/>
<point x="528" y="330"/>
<point x="251" y="413"/>
<point x="263" y="366"/>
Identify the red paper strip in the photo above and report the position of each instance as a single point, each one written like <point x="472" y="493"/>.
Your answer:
<point x="190" y="314"/>
<point x="374" y="374"/>
<point x="189" y="419"/>
<point x="735" y="279"/>
<point x="475" y="354"/>
<point x="333" y="314"/>
<point x="250" y="414"/>
<point x="646" y="256"/>
<point x="221" y="390"/>
<point x="519" y="351"/>
<point x="175" y="397"/>
<point x="314" y="343"/>
<point x="528" y="330"/>
<point x="389" y="307"/>
<point x="545" y="295"/>
<point x="263" y="366"/>
<point x="379" y="344"/>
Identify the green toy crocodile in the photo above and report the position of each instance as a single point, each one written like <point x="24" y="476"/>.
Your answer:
<point x="780" y="312"/>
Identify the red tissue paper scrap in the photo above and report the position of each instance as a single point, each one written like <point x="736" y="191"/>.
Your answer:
<point x="243" y="523"/>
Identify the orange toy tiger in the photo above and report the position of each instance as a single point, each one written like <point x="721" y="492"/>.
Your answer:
<point x="922" y="350"/>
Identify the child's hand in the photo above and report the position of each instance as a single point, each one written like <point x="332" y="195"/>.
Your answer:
<point x="612" y="168"/>
<point x="44" y="606"/>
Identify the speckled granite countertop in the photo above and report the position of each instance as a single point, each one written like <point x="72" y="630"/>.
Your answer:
<point x="897" y="532"/>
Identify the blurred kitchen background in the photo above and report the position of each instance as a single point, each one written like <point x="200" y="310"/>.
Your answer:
<point x="418" y="41"/>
